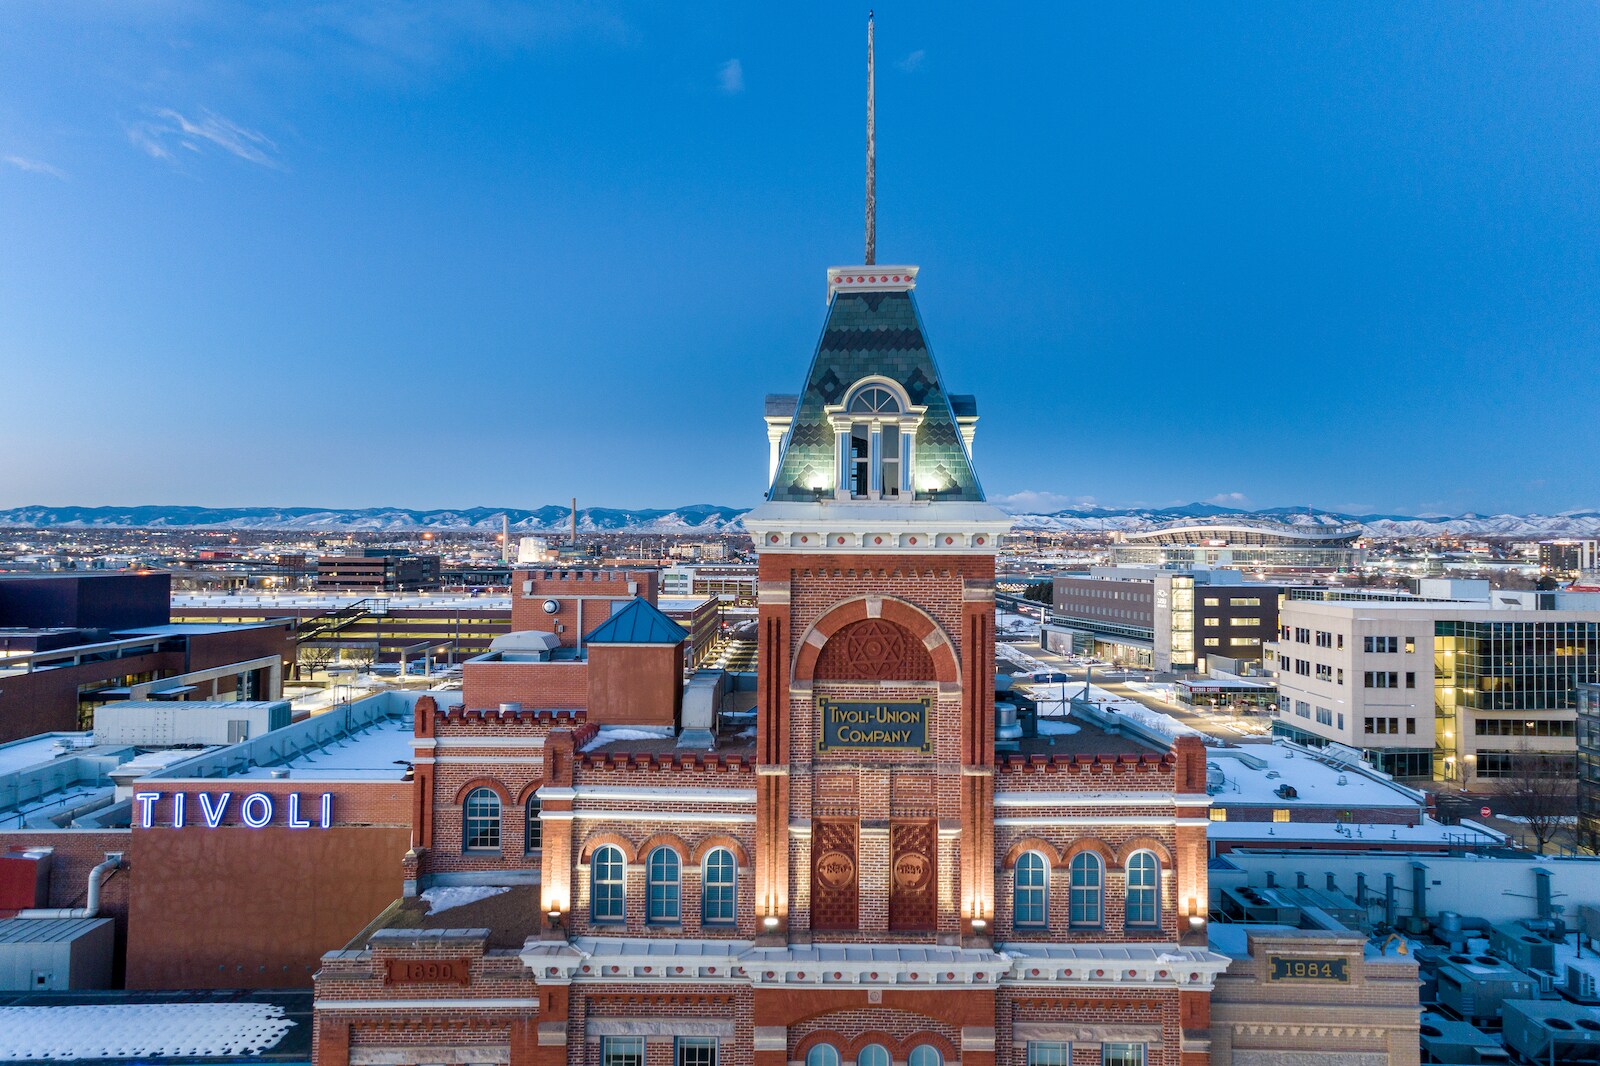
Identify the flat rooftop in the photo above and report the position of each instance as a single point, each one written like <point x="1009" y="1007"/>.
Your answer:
<point x="292" y="602"/>
<point x="1252" y="775"/>
<point x="382" y="751"/>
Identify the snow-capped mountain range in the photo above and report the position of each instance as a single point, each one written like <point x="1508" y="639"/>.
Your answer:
<point x="709" y="518"/>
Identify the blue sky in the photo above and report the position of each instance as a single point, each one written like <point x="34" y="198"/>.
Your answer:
<point x="426" y="255"/>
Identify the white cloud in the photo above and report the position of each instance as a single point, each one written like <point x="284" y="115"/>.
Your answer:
<point x="34" y="166"/>
<point x="1229" y="499"/>
<point x="1029" y="501"/>
<point x="731" y="77"/>
<point x="913" y="62"/>
<point x="168" y="129"/>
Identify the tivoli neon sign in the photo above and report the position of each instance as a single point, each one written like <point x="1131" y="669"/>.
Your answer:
<point x="256" y="810"/>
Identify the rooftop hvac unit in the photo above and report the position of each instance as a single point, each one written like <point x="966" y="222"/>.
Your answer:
<point x="1249" y="904"/>
<point x="1476" y="986"/>
<point x="1551" y="1030"/>
<point x="1448" y="1040"/>
<point x="1522" y="947"/>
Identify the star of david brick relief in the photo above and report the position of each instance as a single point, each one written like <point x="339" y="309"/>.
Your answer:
<point x="874" y="650"/>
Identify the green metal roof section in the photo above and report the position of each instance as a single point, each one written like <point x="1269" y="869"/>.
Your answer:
<point x="867" y="334"/>
<point x="637" y="623"/>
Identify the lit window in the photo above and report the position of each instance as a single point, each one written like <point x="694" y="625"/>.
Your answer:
<point x="1280" y="814"/>
<point x="480" y="830"/>
<point x="1144" y="889"/>
<point x="535" y="830"/>
<point x="719" y="895"/>
<point x="1219" y="814"/>
<point x="1086" y="881"/>
<point x="664" y="885"/>
<point x="608" y="886"/>
<point x="1032" y="890"/>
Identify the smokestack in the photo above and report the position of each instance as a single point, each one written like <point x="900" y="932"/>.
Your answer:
<point x="505" y="538"/>
<point x="574" y="540"/>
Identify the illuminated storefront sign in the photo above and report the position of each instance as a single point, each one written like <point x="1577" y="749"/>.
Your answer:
<point x="873" y="725"/>
<point x="256" y="810"/>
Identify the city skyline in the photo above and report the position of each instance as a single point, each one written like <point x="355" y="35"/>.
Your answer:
<point x="1256" y="257"/>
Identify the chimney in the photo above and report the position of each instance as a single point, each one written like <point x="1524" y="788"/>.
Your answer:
<point x="574" y="540"/>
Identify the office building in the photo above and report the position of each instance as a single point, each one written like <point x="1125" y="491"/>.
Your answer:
<point x="378" y="570"/>
<point x="1166" y="620"/>
<point x="72" y="642"/>
<point x="1588" y="728"/>
<point x="1568" y="558"/>
<point x="1458" y="684"/>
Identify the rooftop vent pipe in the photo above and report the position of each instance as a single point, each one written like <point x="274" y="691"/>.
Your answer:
<point x="91" y="907"/>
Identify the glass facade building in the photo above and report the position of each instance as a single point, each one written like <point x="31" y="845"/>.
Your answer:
<point x="1511" y="682"/>
<point x="1589" y="767"/>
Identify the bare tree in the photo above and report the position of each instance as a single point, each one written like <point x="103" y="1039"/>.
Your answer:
<point x="1542" y="792"/>
<point x="316" y="657"/>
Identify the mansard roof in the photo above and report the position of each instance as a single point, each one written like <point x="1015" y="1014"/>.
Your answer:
<point x="875" y="333"/>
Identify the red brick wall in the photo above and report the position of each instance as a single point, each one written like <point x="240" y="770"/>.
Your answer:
<point x="567" y="586"/>
<point x="553" y="685"/>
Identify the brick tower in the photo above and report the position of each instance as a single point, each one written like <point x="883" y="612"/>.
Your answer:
<point x="875" y="731"/>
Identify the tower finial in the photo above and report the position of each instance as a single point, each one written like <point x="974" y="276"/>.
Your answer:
<point x="872" y="159"/>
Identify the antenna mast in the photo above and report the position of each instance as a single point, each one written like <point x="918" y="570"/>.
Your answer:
<point x="872" y="159"/>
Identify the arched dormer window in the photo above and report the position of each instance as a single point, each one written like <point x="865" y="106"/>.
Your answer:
<point x="875" y="433"/>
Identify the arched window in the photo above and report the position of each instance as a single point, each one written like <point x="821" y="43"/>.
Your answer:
<point x="875" y="430"/>
<point x="1144" y="889"/>
<point x="535" y="839"/>
<point x="664" y="886"/>
<point x="608" y="889"/>
<point x="718" y="889"/>
<point x="925" y="1055"/>
<point x="1086" y="889"/>
<point x="1029" y="900"/>
<point x="822" y="1055"/>
<point x="875" y="400"/>
<point x="873" y="1055"/>
<point x="480" y="817"/>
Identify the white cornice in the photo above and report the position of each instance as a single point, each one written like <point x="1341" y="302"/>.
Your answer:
<point x="932" y="527"/>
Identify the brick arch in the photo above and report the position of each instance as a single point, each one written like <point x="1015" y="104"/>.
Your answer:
<point x="941" y="1043"/>
<point x="917" y="623"/>
<point x="741" y="858"/>
<point x="670" y="841"/>
<point x="875" y="1036"/>
<point x="483" y="782"/>
<point x="1151" y="844"/>
<point x="523" y="796"/>
<point x="600" y="840"/>
<point x="840" y="1042"/>
<point x="1099" y="847"/>
<point x="1027" y="844"/>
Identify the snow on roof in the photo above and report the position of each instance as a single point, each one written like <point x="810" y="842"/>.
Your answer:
<point x="140" y="1030"/>
<point x="46" y="747"/>
<point x="1371" y="833"/>
<point x="290" y="603"/>
<point x="380" y="752"/>
<point x="1252" y="774"/>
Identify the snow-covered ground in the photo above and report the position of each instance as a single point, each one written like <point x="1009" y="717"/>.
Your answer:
<point x="443" y="899"/>
<point x="140" y="1030"/>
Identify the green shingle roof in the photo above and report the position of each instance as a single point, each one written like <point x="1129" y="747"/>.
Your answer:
<point x="874" y="333"/>
<point x="637" y="623"/>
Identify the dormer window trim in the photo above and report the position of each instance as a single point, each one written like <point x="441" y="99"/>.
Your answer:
<point x="875" y="445"/>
